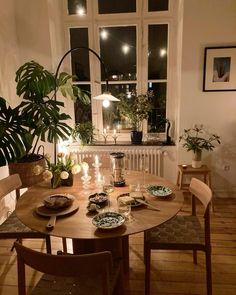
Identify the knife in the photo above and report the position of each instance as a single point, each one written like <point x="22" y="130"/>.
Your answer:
<point x="147" y="204"/>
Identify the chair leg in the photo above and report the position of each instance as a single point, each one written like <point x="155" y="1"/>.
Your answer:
<point x="208" y="273"/>
<point x="194" y="256"/>
<point x="48" y="245"/>
<point x="17" y="240"/>
<point x="147" y="261"/>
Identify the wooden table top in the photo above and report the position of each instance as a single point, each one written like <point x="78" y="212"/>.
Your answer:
<point x="79" y="225"/>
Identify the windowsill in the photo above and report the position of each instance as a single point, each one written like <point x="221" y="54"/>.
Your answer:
<point x="127" y="143"/>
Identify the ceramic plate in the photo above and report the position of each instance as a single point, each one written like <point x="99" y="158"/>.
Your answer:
<point x="159" y="191"/>
<point x="133" y="203"/>
<point x="98" y="198"/>
<point x="108" y="220"/>
<point x="58" y="201"/>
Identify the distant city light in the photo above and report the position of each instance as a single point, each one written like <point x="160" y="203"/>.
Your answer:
<point x="104" y="34"/>
<point x="125" y="48"/>
<point x="163" y="52"/>
<point x="80" y="10"/>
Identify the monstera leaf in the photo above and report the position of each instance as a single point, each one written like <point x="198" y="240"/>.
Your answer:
<point x="15" y="141"/>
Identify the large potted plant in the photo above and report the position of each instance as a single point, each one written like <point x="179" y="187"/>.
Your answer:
<point x="37" y="118"/>
<point x="197" y="139"/>
<point x="135" y="108"/>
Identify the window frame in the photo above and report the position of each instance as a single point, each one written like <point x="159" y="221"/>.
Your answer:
<point x="141" y="19"/>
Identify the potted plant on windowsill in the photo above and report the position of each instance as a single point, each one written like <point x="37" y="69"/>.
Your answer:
<point x="136" y="109"/>
<point x="197" y="139"/>
<point x="84" y="132"/>
<point x="37" y="117"/>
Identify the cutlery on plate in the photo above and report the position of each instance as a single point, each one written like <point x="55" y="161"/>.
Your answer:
<point x="147" y="204"/>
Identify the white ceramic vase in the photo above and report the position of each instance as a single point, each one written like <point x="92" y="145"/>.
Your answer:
<point x="197" y="159"/>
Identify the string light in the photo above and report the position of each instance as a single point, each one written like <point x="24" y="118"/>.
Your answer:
<point x="104" y="34"/>
<point x="125" y="48"/>
<point x="162" y="52"/>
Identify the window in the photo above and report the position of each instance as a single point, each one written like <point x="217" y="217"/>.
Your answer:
<point x="132" y="38"/>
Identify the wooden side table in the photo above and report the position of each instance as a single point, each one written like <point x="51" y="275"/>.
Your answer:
<point x="189" y="170"/>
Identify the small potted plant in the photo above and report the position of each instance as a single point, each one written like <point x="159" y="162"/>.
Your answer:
<point x="197" y="139"/>
<point x="84" y="132"/>
<point x="136" y="109"/>
<point x="37" y="117"/>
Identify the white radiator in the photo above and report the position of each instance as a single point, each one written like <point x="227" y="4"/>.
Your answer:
<point x="145" y="158"/>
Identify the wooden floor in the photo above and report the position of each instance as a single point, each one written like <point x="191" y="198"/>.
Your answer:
<point x="173" y="272"/>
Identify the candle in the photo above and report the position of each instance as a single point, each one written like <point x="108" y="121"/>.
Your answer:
<point x="108" y="127"/>
<point x="114" y="132"/>
<point x="96" y="159"/>
<point x="104" y="131"/>
<point x="85" y="170"/>
<point x="99" y="177"/>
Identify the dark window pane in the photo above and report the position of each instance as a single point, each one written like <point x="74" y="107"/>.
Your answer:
<point x="157" y="51"/>
<point x="111" y="116"/>
<point x="157" y="117"/>
<point x="118" y="51"/>
<point x="116" y="6"/>
<point x="83" y="113"/>
<point x="80" y="57"/>
<point x="77" y="7"/>
<point x="158" y="5"/>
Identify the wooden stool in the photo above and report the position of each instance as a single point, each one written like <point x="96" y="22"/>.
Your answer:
<point x="185" y="170"/>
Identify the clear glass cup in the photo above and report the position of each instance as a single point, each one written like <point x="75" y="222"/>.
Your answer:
<point x="108" y="188"/>
<point x="124" y="208"/>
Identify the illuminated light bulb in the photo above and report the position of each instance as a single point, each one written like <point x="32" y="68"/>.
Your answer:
<point x="80" y="11"/>
<point x="163" y="52"/>
<point x="104" y="34"/>
<point x="106" y="103"/>
<point x="125" y="48"/>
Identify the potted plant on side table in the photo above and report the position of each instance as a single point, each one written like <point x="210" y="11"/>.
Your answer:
<point x="37" y="117"/>
<point x="197" y="139"/>
<point x="136" y="109"/>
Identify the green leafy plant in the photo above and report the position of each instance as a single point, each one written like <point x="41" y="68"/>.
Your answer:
<point x="85" y="131"/>
<point x="135" y="108"/>
<point x="198" y="139"/>
<point x="38" y="116"/>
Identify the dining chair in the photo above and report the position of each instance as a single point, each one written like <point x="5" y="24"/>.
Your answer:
<point x="183" y="233"/>
<point x="12" y="227"/>
<point x="92" y="274"/>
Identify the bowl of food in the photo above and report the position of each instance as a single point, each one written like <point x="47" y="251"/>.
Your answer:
<point x="58" y="201"/>
<point x="98" y="198"/>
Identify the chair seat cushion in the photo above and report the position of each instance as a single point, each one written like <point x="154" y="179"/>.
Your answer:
<point x="181" y="230"/>
<point x="49" y="284"/>
<point x="12" y="227"/>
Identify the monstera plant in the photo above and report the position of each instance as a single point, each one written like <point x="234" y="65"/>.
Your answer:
<point x="38" y="117"/>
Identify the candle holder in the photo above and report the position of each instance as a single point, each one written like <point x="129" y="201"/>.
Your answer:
<point x="105" y="136"/>
<point x="115" y="136"/>
<point x="99" y="181"/>
<point x="86" y="181"/>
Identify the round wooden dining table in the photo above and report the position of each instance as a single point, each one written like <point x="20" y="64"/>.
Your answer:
<point x="79" y="227"/>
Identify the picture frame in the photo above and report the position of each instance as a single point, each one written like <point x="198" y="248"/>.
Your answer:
<point x="219" y="72"/>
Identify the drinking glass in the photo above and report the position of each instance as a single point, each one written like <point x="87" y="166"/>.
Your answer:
<point x="108" y="187"/>
<point x="124" y="209"/>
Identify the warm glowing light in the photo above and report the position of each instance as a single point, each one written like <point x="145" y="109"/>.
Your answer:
<point x="125" y="48"/>
<point x="163" y="52"/>
<point x="106" y="103"/>
<point x="129" y="95"/>
<point x="104" y="34"/>
<point x="80" y="10"/>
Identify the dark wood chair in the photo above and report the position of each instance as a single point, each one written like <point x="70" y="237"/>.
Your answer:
<point x="12" y="227"/>
<point x="92" y="274"/>
<point x="183" y="233"/>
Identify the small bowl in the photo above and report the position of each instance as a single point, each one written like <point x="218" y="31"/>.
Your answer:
<point x="98" y="198"/>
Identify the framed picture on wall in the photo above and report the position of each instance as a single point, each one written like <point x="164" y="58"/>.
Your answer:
<point x="219" y="69"/>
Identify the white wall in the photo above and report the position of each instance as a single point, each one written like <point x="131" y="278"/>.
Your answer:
<point x="209" y="23"/>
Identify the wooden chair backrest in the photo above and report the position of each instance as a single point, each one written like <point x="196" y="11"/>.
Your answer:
<point x="9" y="184"/>
<point x="201" y="191"/>
<point x="95" y="264"/>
